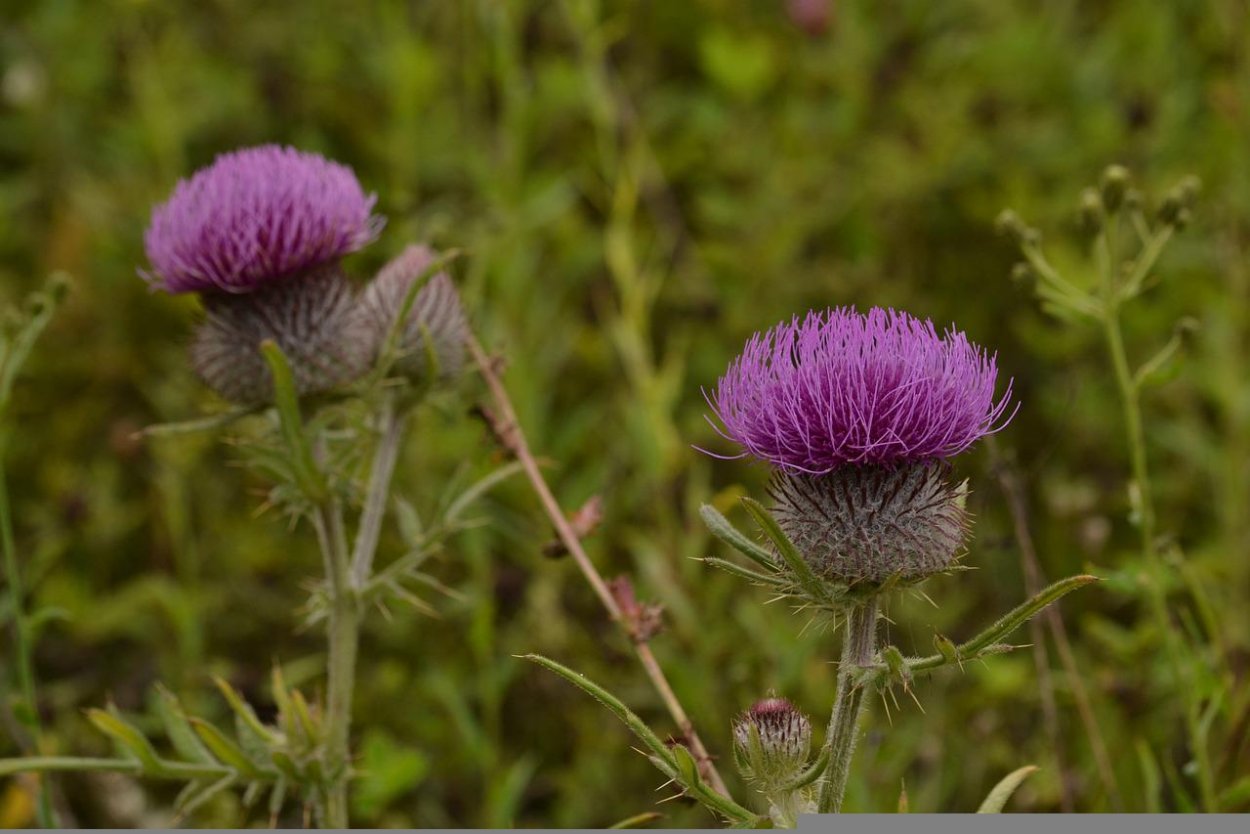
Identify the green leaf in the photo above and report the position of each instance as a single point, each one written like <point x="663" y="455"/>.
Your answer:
<point x="307" y="476"/>
<point x="183" y="738"/>
<point x="632" y="721"/>
<point x="720" y="527"/>
<point x="244" y="712"/>
<point x="1001" y="792"/>
<point x="636" y="821"/>
<point x="128" y="738"/>
<point x="802" y="572"/>
<point x="196" y="793"/>
<point x="987" y="640"/>
<point x="226" y="751"/>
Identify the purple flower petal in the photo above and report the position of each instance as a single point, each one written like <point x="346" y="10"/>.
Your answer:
<point x="254" y="216"/>
<point x="845" y="388"/>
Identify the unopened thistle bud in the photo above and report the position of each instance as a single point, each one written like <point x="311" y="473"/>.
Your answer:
<point x="858" y="413"/>
<point x="772" y="741"/>
<point x="1115" y="181"/>
<point x="1091" y="211"/>
<point x="431" y="342"/>
<point x="259" y="234"/>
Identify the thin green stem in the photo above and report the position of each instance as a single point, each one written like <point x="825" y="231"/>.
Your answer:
<point x="176" y="771"/>
<point x="858" y="645"/>
<point x="21" y="637"/>
<point x="1130" y="402"/>
<point x="384" y="459"/>
<point x="343" y="632"/>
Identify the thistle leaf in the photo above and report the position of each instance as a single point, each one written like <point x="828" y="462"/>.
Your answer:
<point x="183" y="738"/>
<point x="1002" y="792"/>
<point x="229" y="753"/>
<point x="721" y="528"/>
<point x="129" y="740"/>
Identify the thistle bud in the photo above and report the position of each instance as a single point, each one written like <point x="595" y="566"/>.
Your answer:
<point x="1023" y="274"/>
<point x="1009" y="224"/>
<point x="432" y="339"/>
<point x="772" y="740"/>
<point x="1091" y="211"/>
<point x="1115" y="180"/>
<point x="1170" y="209"/>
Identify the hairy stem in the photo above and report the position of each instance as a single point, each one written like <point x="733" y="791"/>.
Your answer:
<point x="505" y="426"/>
<point x="391" y="426"/>
<point x="21" y="637"/>
<point x="859" y="642"/>
<point x="343" y="632"/>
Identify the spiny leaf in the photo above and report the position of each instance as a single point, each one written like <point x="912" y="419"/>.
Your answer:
<point x="307" y="476"/>
<point x="225" y="750"/>
<point x="632" y="721"/>
<point x="183" y="738"/>
<point x="1001" y="792"/>
<point x="127" y="737"/>
<point x="195" y="794"/>
<point x="988" y="639"/>
<point x="720" y="527"/>
<point x="802" y="572"/>
<point x="243" y="710"/>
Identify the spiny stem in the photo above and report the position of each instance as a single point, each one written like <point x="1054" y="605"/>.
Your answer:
<point x="392" y="432"/>
<point x="344" y="636"/>
<point x="21" y="636"/>
<point x="859" y="642"/>
<point x="509" y="433"/>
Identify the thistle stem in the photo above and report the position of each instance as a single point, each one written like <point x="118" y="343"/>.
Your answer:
<point x="859" y="642"/>
<point x="384" y="459"/>
<point x="343" y="633"/>
<point x="21" y="635"/>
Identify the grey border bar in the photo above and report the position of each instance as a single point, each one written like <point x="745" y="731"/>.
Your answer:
<point x="1027" y="823"/>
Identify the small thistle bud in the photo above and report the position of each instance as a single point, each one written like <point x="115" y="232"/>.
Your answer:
<point x="867" y="524"/>
<point x="772" y="741"/>
<point x="1170" y="209"/>
<point x="1133" y="199"/>
<point x="1188" y="189"/>
<point x="432" y="341"/>
<point x="1115" y="181"/>
<point x="311" y="317"/>
<point x="1091" y="211"/>
<point x="1023" y="274"/>
<point x="1009" y="224"/>
<point x="812" y="16"/>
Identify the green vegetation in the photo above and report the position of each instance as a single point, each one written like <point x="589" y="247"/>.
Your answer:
<point x="635" y="188"/>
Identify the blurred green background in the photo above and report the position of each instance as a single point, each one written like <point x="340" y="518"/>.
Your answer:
<point x="638" y="187"/>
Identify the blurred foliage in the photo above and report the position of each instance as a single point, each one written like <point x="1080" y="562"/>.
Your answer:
<point x="638" y="186"/>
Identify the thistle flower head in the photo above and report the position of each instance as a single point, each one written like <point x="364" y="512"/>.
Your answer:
<point x="314" y="321"/>
<point x="843" y="388"/>
<point x="255" y="216"/>
<point x="863" y="525"/>
<point x="772" y="740"/>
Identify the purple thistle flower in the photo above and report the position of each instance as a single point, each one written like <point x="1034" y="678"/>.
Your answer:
<point x="255" y="216"/>
<point x="845" y="388"/>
